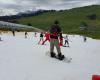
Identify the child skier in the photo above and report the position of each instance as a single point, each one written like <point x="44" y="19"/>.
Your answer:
<point x="13" y="32"/>
<point x="41" y="37"/>
<point x="35" y="34"/>
<point x="26" y="34"/>
<point x="0" y="39"/>
<point x="47" y="37"/>
<point x="66" y="41"/>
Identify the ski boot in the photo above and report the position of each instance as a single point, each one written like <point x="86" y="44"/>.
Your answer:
<point x="52" y="54"/>
<point x="60" y="56"/>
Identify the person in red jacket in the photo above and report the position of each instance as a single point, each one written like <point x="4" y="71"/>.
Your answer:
<point x="47" y="37"/>
<point x="60" y="39"/>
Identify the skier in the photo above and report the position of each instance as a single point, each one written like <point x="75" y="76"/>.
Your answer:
<point x="61" y="39"/>
<point x="41" y="37"/>
<point x="55" y="30"/>
<point x="26" y="34"/>
<point x="13" y="32"/>
<point x="84" y="38"/>
<point x="47" y="37"/>
<point x="66" y="41"/>
<point x="35" y="34"/>
<point x="0" y="39"/>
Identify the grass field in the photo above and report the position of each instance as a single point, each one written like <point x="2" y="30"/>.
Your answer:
<point x="70" y="20"/>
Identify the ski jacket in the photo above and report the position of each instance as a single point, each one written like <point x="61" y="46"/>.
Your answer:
<point x="66" y="38"/>
<point x="47" y="35"/>
<point x="55" y="31"/>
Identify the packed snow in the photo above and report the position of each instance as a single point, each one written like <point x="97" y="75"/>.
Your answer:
<point x="24" y="59"/>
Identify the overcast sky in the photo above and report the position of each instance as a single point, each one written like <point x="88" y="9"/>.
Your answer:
<point x="14" y="6"/>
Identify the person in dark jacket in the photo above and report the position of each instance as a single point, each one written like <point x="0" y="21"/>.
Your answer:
<point x="0" y="39"/>
<point x="13" y="32"/>
<point x="41" y="37"/>
<point x="26" y="34"/>
<point x="55" y="31"/>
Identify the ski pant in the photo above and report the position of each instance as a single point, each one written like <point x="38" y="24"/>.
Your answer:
<point x="61" y="42"/>
<point x="66" y="41"/>
<point x="41" y="39"/>
<point x="54" y="42"/>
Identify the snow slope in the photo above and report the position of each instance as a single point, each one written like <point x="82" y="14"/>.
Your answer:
<point x="24" y="59"/>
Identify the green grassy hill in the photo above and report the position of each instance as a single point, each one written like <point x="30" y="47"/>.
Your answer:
<point x="70" y="20"/>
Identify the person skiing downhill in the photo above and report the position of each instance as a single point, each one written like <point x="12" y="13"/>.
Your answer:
<point x="66" y="41"/>
<point x="47" y="37"/>
<point x="0" y="39"/>
<point x="26" y="34"/>
<point x="13" y="32"/>
<point x="55" y="30"/>
<point x="41" y="37"/>
<point x="60" y="40"/>
<point x="35" y="34"/>
<point x="84" y="38"/>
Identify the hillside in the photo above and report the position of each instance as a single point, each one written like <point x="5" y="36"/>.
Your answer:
<point x="70" y="20"/>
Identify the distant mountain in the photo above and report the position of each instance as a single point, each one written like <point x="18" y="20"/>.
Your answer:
<point x="28" y="13"/>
